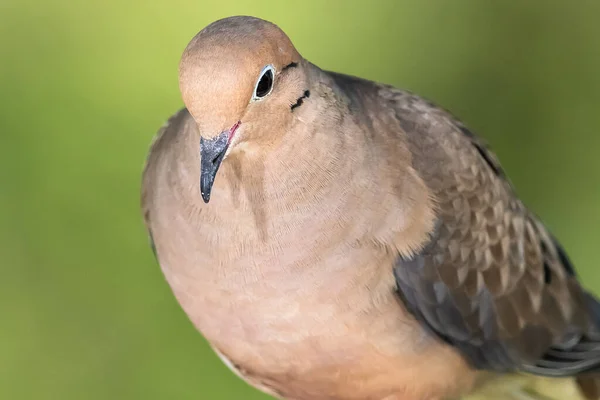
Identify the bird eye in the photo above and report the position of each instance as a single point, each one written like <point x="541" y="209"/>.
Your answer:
<point x="264" y="85"/>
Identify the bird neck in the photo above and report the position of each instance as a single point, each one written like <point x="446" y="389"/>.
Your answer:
<point x="299" y="171"/>
<point x="302" y="166"/>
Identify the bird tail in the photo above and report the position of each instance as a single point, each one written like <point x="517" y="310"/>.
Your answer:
<point x="532" y="387"/>
<point x="589" y="385"/>
<point x="594" y="310"/>
<point x="582" y="359"/>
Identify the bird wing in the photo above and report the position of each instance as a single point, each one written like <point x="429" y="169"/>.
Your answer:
<point x="492" y="281"/>
<point x="165" y="135"/>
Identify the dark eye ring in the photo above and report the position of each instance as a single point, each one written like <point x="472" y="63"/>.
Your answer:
<point x="264" y="85"/>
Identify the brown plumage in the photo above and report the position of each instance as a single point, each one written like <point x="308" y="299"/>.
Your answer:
<point x="341" y="239"/>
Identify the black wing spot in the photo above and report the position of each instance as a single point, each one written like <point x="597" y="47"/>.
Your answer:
<point x="467" y="131"/>
<point x="564" y="259"/>
<point x="562" y="255"/>
<point x="547" y="274"/>
<point x="544" y="248"/>
<point x="483" y="151"/>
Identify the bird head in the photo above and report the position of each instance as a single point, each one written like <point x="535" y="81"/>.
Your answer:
<point x="239" y="78"/>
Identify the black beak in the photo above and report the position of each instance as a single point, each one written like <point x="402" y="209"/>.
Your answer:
<point x="212" y="152"/>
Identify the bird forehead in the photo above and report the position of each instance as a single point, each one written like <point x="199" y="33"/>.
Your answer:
<point x="220" y="74"/>
<point x="218" y="84"/>
<point x="240" y="57"/>
<point x="244" y="32"/>
<point x="244" y="42"/>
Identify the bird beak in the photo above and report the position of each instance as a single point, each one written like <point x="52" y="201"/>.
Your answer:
<point x="212" y="152"/>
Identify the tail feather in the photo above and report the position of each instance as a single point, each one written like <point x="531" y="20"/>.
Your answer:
<point x="577" y="357"/>
<point x="589" y="386"/>
<point x="589" y="383"/>
<point x="530" y="387"/>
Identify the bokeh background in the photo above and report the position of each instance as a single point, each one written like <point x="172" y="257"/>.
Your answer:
<point x="84" y="85"/>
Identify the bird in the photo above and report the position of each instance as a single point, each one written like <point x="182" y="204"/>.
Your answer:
<point x="336" y="238"/>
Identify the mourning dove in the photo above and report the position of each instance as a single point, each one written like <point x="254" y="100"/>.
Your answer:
<point x="335" y="238"/>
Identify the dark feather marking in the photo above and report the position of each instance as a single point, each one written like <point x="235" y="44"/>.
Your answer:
<point x="152" y="245"/>
<point x="300" y="100"/>
<point x="564" y="259"/>
<point x="483" y="151"/>
<point x="290" y="65"/>
<point x="547" y="274"/>
<point x="464" y="129"/>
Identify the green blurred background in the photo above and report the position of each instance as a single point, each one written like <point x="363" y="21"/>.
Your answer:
<point x="84" y="85"/>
